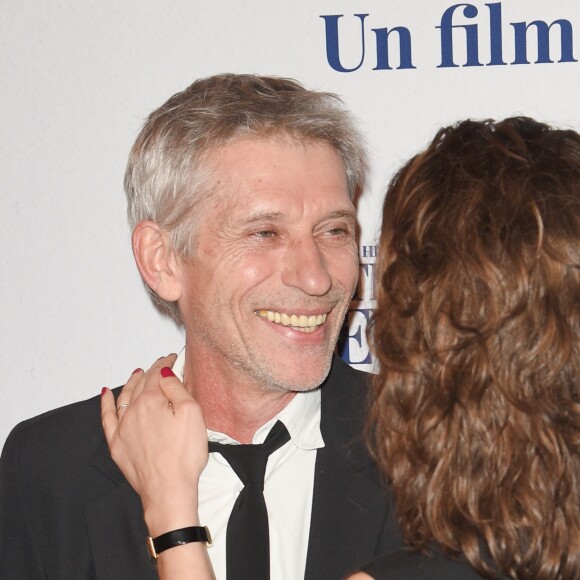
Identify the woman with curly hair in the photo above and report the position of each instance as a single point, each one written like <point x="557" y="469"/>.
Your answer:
<point x="475" y="416"/>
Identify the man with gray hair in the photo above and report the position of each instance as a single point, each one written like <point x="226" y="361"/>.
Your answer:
<point x="240" y="193"/>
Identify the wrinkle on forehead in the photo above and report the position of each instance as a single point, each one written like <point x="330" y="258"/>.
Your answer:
<point x="215" y="157"/>
<point x="254" y="181"/>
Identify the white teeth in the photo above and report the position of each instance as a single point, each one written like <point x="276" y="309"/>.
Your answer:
<point x="299" y="322"/>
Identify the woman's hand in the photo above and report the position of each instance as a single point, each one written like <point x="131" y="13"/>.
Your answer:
<point x="157" y="437"/>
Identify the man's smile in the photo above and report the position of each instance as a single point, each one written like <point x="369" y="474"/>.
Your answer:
<point x="300" y="322"/>
<point x="276" y="261"/>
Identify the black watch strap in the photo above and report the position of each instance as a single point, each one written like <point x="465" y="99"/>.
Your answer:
<point x="178" y="538"/>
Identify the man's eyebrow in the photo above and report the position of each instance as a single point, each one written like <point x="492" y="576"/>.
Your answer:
<point x="273" y="216"/>
<point x="265" y="216"/>
<point x="349" y="214"/>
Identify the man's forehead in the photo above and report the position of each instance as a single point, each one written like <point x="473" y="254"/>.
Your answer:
<point x="272" y="178"/>
<point x="264" y="153"/>
<point x="250" y="202"/>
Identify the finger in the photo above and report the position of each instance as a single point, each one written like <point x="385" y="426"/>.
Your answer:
<point x="127" y="394"/>
<point x="172" y="387"/>
<point x="109" y="417"/>
<point x="150" y="380"/>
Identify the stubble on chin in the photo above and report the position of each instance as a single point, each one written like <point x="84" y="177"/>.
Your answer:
<point x="270" y="376"/>
<point x="267" y="373"/>
<point x="270" y="381"/>
<point x="252" y="364"/>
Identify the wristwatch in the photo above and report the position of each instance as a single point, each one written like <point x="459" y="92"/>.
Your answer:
<point x="178" y="538"/>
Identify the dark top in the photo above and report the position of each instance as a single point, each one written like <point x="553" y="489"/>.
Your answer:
<point x="408" y="564"/>
<point x="67" y="512"/>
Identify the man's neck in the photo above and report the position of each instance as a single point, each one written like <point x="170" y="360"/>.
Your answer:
<point x="231" y="405"/>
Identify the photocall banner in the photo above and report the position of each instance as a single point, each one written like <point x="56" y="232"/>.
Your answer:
<point x="77" y="81"/>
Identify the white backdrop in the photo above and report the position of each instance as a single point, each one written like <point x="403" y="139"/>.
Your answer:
<point x="78" y="78"/>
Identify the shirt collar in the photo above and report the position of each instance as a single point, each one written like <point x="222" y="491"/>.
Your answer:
<point x="301" y="416"/>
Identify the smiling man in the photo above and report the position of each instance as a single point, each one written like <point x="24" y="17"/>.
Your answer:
<point x="266" y="290"/>
<point x="240" y="192"/>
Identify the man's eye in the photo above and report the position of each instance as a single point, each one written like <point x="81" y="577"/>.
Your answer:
<point x="265" y="234"/>
<point x="339" y="231"/>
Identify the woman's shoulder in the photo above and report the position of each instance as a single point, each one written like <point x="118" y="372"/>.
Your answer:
<point x="408" y="564"/>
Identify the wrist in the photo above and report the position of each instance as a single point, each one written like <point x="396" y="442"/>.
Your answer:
<point x="179" y="537"/>
<point x="165" y="516"/>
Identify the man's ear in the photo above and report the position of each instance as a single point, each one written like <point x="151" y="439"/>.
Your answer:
<point x="156" y="260"/>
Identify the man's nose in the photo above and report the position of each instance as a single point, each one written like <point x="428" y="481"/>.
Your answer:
<point x="305" y="267"/>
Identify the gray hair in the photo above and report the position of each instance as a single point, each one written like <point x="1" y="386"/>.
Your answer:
<point x="167" y="180"/>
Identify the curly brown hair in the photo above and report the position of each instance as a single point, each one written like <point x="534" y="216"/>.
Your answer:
<point x="476" y="408"/>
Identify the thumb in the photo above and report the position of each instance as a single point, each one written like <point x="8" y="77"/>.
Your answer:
<point x="172" y="387"/>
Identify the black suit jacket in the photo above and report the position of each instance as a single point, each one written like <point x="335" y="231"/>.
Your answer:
<point x="407" y="564"/>
<point x="67" y="512"/>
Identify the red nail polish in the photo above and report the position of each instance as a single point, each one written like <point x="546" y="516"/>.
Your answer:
<point x="104" y="390"/>
<point x="167" y="372"/>
<point x="136" y="370"/>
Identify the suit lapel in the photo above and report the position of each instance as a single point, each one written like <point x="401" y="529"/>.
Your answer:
<point x="348" y="507"/>
<point x="116" y="529"/>
<point x="348" y="514"/>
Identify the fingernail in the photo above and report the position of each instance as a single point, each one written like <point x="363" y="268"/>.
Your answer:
<point x="167" y="372"/>
<point x="136" y="370"/>
<point x="104" y="390"/>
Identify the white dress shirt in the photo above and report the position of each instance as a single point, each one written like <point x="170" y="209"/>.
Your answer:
<point x="288" y="487"/>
